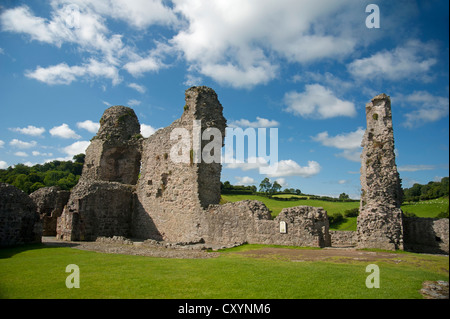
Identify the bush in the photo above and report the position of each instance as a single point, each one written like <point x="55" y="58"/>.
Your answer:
<point x="408" y="214"/>
<point x="443" y="214"/>
<point x="354" y="212"/>
<point x="336" y="218"/>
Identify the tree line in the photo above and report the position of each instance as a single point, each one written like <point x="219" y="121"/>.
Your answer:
<point x="432" y="190"/>
<point x="64" y="174"/>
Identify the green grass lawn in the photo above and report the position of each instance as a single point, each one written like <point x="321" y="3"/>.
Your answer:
<point x="37" y="271"/>
<point x="429" y="208"/>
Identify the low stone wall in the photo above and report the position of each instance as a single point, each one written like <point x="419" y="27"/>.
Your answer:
<point x="250" y="221"/>
<point x="426" y="235"/>
<point x="343" y="238"/>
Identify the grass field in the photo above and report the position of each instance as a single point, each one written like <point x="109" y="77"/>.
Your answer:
<point x="429" y="208"/>
<point x="38" y="271"/>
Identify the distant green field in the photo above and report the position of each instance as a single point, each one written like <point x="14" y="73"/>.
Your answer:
<point x="430" y="208"/>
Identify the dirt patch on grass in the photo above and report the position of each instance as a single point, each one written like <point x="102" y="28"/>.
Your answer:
<point x="345" y="255"/>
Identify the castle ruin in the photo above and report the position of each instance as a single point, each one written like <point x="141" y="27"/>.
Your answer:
<point x="130" y="187"/>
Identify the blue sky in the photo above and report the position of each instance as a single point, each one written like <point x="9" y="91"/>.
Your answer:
<point x="305" y="67"/>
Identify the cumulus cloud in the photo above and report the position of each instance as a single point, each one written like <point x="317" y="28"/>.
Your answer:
<point x="21" y="144"/>
<point x="64" y="131"/>
<point x="246" y="180"/>
<point x="282" y="168"/>
<point x="29" y="130"/>
<point x="21" y="154"/>
<point x="350" y="143"/>
<point x="260" y="122"/>
<point x="426" y="108"/>
<point x="411" y="60"/>
<point x="147" y="130"/>
<point x="2" y="143"/>
<point x="65" y="74"/>
<point x="317" y="102"/>
<point x="235" y="42"/>
<point x="89" y="126"/>
<point x="76" y="148"/>
<point x="3" y="165"/>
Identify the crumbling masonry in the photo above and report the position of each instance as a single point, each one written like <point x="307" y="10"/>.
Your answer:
<point x="130" y="187"/>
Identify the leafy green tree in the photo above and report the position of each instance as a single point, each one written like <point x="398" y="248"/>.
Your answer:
<point x="275" y="188"/>
<point x="343" y="196"/>
<point x="265" y="186"/>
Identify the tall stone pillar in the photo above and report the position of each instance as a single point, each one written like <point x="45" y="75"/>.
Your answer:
<point x="380" y="223"/>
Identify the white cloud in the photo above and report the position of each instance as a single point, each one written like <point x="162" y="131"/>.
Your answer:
<point x="137" y="87"/>
<point x="134" y="102"/>
<point x="137" y="13"/>
<point x="21" y="154"/>
<point x="147" y="130"/>
<point x="246" y="180"/>
<point x="29" y="130"/>
<point x="21" y="144"/>
<point x="282" y="182"/>
<point x="416" y="168"/>
<point x="3" y="165"/>
<point x="236" y="43"/>
<point x="291" y="168"/>
<point x="1" y="143"/>
<point x="76" y="148"/>
<point x="350" y="143"/>
<point x="427" y="108"/>
<point x="282" y="168"/>
<point x="64" y="74"/>
<point x="345" y="141"/>
<point x="412" y="60"/>
<point x="139" y="66"/>
<point x="317" y="102"/>
<point x="37" y="153"/>
<point x="89" y="126"/>
<point x="260" y="122"/>
<point x="64" y="131"/>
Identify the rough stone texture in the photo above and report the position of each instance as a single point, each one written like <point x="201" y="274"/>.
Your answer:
<point x="250" y="221"/>
<point x="173" y="195"/>
<point x="426" y="235"/>
<point x="97" y="209"/>
<point x="172" y="201"/>
<point x="114" y="153"/>
<point x="341" y="238"/>
<point x="19" y="220"/>
<point x="380" y="222"/>
<point x="435" y="289"/>
<point x="50" y="202"/>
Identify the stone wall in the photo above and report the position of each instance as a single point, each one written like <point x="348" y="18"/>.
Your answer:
<point x="341" y="238"/>
<point x="97" y="209"/>
<point x="102" y="203"/>
<point x="19" y="220"/>
<point x="250" y="221"/>
<point x="426" y="235"/>
<point x="379" y="223"/>
<point x="173" y="195"/>
<point x="50" y="202"/>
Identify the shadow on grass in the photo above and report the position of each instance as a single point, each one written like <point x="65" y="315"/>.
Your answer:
<point x="9" y="251"/>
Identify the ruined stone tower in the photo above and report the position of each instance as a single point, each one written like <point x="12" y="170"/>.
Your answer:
<point x="380" y="223"/>
<point x="172" y="195"/>
<point x="102" y="202"/>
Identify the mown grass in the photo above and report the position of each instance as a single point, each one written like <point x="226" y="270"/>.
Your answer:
<point x="39" y="272"/>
